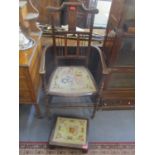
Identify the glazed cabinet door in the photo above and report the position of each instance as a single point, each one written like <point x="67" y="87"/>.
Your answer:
<point x="123" y="52"/>
<point x="121" y="80"/>
<point x="115" y="14"/>
<point x="115" y="17"/>
<point x="119" y="89"/>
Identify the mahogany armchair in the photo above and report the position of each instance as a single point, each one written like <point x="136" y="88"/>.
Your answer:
<point x="69" y="73"/>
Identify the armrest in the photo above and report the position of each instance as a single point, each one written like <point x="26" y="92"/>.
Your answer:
<point x="42" y="69"/>
<point x="105" y="69"/>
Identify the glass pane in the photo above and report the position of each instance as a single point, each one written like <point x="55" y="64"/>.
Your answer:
<point x="122" y="80"/>
<point x="126" y="53"/>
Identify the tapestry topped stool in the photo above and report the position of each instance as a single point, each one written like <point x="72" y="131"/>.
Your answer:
<point x="70" y="132"/>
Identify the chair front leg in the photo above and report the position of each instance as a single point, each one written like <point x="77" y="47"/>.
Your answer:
<point x="38" y="111"/>
<point x="96" y="105"/>
<point x="98" y="97"/>
<point x="43" y="82"/>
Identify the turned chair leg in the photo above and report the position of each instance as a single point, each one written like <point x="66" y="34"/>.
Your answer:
<point x="47" y="108"/>
<point x="38" y="111"/>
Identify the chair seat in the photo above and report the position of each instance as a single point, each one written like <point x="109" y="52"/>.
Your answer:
<point x="71" y="81"/>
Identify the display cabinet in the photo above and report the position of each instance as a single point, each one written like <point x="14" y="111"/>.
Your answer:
<point x="119" y="87"/>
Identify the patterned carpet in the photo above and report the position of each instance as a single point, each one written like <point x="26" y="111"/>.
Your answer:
<point x="32" y="148"/>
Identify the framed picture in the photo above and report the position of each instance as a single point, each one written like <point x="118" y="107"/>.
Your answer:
<point x="70" y="132"/>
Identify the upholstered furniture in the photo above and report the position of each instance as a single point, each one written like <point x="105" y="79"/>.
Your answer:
<point x="69" y="75"/>
<point x="73" y="80"/>
<point x="70" y="132"/>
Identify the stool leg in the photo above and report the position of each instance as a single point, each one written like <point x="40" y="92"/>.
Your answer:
<point x="84" y="151"/>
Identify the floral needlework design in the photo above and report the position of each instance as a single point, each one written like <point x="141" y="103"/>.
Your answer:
<point x="72" y="80"/>
<point x="70" y="130"/>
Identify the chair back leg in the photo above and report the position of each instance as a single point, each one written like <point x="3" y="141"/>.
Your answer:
<point x="47" y="106"/>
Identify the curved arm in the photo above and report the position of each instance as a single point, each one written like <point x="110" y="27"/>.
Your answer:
<point x="42" y="69"/>
<point x="105" y="69"/>
<point x="64" y="4"/>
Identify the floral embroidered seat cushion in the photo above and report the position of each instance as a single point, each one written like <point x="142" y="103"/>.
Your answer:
<point x="71" y="80"/>
<point x="70" y="131"/>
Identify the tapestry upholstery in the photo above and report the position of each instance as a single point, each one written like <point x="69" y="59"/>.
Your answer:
<point x="71" y="80"/>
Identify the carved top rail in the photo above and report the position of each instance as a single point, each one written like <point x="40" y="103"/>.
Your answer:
<point x="72" y="4"/>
